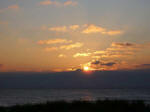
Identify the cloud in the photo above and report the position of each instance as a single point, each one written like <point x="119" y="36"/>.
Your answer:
<point x="81" y="55"/>
<point x="93" y="29"/>
<point x="102" y="65"/>
<point x="97" y="62"/>
<point x="15" y="7"/>
<point x="62" y="56"/>
<point x="123" y="44"/>
<point x="53" y="41"/>
<point x="69" y="2"/>
<point x="62" y="28"/>
<point x="51" y="48"/>
<point x="66" y="47"/>
<point x="117" y="56"/>
<point x="85" y="29"/>
<point x="74" y="27"/>
<point x="11" y="7"/>
<point x="65" y="44"/>
<point x="46" y="2"/>
<point x="116" y="50"/>
<point x="56" y="3"/>
<point x="143" y="66"/>
<point x="120" y="49"/>
<point x="71" y="46"/>
<point x="114" y="32"/>
<point x="58" y="29"/>
<point x="146" y="65"/>
<point x="109" y="64"/>
<point x="89" y="29"/>
<point x="99" y="52"/>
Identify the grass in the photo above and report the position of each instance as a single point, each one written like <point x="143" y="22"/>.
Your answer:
<point x="81" y="106"/>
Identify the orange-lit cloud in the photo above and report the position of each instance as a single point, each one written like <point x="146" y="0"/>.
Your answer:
<point x="101" y="65"/>
<point x="81" y="55"/>
<point x="11" y="7"/>
<point x="46" y="2"/>
<point x="62" y="28"/>
<point x="65" y="44"/>
<point x="74" y="27"/>
<point x="117" y="57"/>
<point x="71" y="46"/>
<point x="70" y="2"/>
<point x="57" y="3"/>
<point x="85" y="29"/>
<point x="54" y="41"/>
<point x="15" y="7"/>
<point x="114" y="32"/>
<point x="51" y="48"/>
<point x="117" y="51"/>
<point x="93" y="29"/>
<point x="66" y="47"/>
<point x="62" y="56"/>
<point x="89" y="29"/>
<point x="58" y="29"/>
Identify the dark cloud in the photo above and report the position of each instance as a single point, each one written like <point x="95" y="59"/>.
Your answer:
<point x="146" y="65"/>
<point x="109" y="64"/>
<point x="123" y="44"/>
<point x="143" y="66"/>
<point x="103" y="63"/>
<point x="78" y="70"/>
<point x="96" y="63"/>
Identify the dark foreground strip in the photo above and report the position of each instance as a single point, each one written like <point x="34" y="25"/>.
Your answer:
<point x="81" y="106"/>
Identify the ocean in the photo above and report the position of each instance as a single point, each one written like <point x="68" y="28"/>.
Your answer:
<point x="9" y="97"/>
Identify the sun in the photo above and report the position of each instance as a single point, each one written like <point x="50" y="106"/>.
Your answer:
<point x="86" y="68"/>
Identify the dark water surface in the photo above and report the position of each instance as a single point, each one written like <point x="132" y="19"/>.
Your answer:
<point x="10" y="97"/>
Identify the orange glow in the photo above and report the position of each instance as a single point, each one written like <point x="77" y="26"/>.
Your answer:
<point x="86" y="68"/>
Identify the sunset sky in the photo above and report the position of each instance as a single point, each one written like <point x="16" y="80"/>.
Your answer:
<point x="66" y="35"/>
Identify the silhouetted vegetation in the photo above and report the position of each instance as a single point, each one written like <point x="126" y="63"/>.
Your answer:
<point x="81" y="106"/>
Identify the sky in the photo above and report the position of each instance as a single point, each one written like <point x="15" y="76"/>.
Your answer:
<point x="68" y="35"/>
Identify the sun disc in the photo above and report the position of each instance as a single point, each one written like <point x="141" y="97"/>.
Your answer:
<point x="86" y="68"/>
